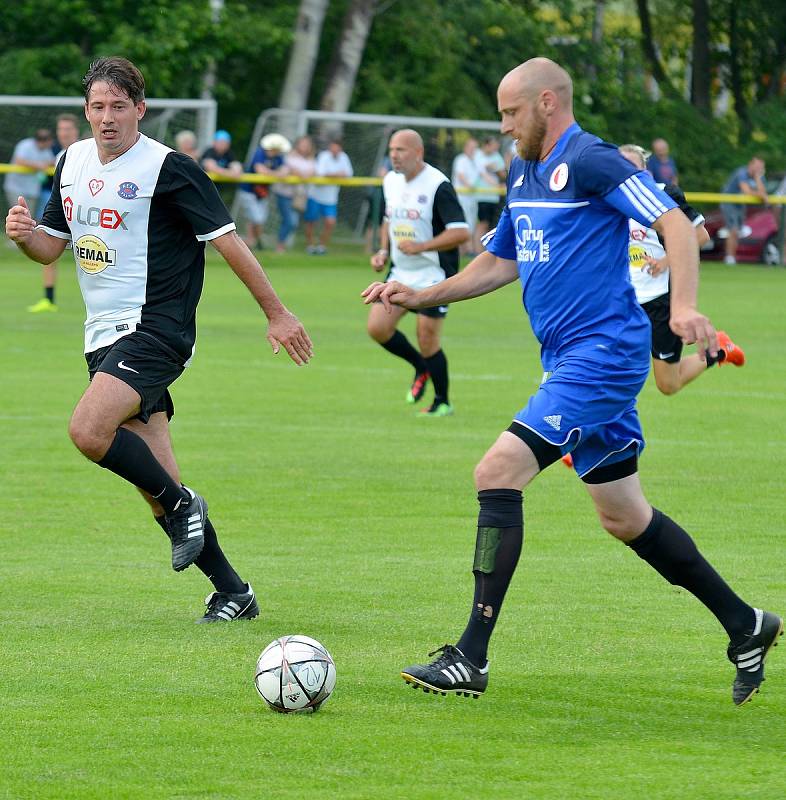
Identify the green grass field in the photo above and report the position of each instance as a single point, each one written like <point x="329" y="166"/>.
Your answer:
<point x="355" y="522"/>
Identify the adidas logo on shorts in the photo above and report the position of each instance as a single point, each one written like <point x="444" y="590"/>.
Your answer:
<point x="554" y="420"/>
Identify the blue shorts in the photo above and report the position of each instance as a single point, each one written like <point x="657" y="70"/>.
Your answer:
<point x="315" y="210"/>
<point x="587" y="407"/>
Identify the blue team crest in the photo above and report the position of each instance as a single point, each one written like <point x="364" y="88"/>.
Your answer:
<point x="128" y="190"/>
<point x="422" y="198"/>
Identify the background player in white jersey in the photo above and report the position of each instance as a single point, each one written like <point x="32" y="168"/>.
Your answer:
<point x="564" y="235"/>
<point x="139" y="214"/>
<point x="421" y="232"/>
<point x="649" y="273"/>
<point x="66" y="133"/>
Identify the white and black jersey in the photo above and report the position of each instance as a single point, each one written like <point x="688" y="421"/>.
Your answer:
<point x="138" y="225"/>
<point x="645" y="242"/>
<point x="417" y="211"/>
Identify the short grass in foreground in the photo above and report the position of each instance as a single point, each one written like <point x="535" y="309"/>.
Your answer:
<point x="355" y="520"/>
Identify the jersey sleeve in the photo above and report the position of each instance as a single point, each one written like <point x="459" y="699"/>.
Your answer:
<point x="447" y="208"/>
<point x="603" y="172"/>
<point x="53" y="220"/>
<point x="193" y="194"/>
<point x="678" y="196"/>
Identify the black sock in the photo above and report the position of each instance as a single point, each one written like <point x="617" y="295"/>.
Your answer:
<point x="130" y="458"/>
<point x="213" y="563"/>
<point x="497" y="549"/>
<point x="717" y="359"/>
<point x="437" y="366"/>
<point x="49" y="293"/>
<point x="667" y="548"/>
<point x="399" y="345"/>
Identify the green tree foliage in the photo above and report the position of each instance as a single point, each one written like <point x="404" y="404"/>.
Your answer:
<point x="437" y="58"/>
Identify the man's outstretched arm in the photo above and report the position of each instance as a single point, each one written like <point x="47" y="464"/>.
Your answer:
<point x="482" y="275"/>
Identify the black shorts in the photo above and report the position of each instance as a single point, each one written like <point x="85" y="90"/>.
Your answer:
<point x="147" y="365"/>
<point x="666" y="345"/>
<point x="487" y="212"/>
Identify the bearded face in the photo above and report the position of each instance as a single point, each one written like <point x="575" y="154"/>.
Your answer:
<point x="532" y="133"/>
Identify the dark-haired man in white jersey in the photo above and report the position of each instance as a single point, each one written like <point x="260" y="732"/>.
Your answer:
<point x="421" y="231"/>
<point x="138" y="215"/>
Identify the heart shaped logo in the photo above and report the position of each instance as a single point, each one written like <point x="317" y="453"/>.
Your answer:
<point x="95" y="186"/>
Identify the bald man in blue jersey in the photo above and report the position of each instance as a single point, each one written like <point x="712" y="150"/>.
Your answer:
<point x="564" y="235"/>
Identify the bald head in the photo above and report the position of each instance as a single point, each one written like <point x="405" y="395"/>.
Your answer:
<point x="406" y="152"/>
<point x="408" y="138"/>
<point x="540" y="74"/>
<point x="535" y="100"/>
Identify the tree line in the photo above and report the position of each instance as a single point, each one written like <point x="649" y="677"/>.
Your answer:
<point x="709" y="75"/>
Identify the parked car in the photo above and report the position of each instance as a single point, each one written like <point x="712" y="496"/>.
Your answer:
<point x="758" y="240"/>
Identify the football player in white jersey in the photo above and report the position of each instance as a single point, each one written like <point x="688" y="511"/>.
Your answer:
<point x="649" y="273"/>
<point x="421" y="232"/>
<point x="138" y="215"/>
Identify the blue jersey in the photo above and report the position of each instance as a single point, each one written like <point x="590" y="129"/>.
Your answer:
<point x="566" y="224"/>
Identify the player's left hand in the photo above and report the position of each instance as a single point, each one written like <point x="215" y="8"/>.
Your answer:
<point x="409" y="248"/>
<point x="693" y="327"/>
<point x="285" y="330"/>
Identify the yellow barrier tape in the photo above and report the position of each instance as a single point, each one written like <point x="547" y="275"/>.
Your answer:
<point x="691" y="197"/>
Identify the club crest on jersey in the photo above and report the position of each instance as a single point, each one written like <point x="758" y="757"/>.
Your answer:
<point x="95" y="186"/>
<point x="128" y="190"/>
<point x="92" y="255"/>
<point x="559" y="178"/>
<point x="422" y="198"/>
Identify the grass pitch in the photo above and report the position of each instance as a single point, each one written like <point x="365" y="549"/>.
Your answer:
<point x="354" y="520"/>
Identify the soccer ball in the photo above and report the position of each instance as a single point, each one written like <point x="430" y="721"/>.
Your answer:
<point x="295" y="673"/>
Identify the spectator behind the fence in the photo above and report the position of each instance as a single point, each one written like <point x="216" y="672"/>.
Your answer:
<point x="301" y="163"/>
<point x="323" y="199"/>
<point x="744" y="180"/>
<point x="464" y="180"/>
<point x="35" y="152"/>
<point x="268" y="159"/>
<point x="661" y="164"/>
<point x="491" y="175"/>
<point x="186" y="142"/>
<point x="66" y="134"/>
<point x="219" y="158"/>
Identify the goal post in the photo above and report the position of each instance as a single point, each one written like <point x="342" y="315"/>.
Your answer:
<point x="22" y="115"/>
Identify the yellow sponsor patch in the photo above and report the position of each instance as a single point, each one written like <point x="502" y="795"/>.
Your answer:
<point x="92" y="255"/>
<point x="404" y="233"/>
<point x="637" y="256"/>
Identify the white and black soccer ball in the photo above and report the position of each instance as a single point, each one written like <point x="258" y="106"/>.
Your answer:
<point x="295" y="673"/>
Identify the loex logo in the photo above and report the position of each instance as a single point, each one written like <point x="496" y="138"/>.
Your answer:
<point x="94" y="217"/>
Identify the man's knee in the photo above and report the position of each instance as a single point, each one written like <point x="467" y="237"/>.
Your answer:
<point x="491" y="472"/>
<point x="668" y="385"/>
<point x="380" y="330"/>
<point x="90" y="441"/>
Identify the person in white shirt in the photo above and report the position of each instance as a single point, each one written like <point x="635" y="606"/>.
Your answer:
<point x="491" y="176"/>
<point x="421" y="232"/>
<point x="323" y="198"/>
<point x="465" y="178"/>
<point x="649" y="274"/>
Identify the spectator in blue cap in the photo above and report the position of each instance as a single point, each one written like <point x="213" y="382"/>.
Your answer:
<point x="219" y="158"/>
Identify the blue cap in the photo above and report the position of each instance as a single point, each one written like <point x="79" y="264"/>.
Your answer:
<point x="222" y="136"/>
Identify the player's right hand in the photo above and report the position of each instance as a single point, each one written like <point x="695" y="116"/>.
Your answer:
<point x="19" y="224"/>
<point x="379" y="259"/>
<point x="389" y="294"/>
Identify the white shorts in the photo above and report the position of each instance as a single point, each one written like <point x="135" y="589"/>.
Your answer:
<point x="255" y="209"/>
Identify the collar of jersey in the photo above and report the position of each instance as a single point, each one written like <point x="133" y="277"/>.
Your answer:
<point x="121" y="158"/>
<point x="559" y="148"/>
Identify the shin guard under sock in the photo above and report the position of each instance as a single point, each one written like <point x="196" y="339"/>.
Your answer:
<point x="497" y="549"/>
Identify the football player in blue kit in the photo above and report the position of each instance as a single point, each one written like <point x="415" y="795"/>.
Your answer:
<point x="564" y="234"/>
